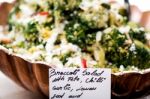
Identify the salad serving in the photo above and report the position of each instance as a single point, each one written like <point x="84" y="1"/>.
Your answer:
<point x="77" y="33"/>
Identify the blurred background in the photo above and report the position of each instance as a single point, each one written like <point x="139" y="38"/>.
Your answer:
<point x="9" y="90"/>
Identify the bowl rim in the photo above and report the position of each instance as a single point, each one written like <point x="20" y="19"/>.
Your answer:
<point x="2" y="48"/>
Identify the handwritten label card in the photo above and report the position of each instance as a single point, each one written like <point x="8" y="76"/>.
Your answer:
<point x="81" y="83"/>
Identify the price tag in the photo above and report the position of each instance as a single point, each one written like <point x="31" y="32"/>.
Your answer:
<point x="80" y="83"/>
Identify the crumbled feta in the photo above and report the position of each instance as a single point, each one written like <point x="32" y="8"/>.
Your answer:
<point x="74" y="61"/>
<point x="86" y="4"/>
<point x="91" y="63"/>
<point x="24" y="21"/>
<point x="26" y="10"/>
<point x="134" y="68"/>
<point x="124" y="29"/>
<point x="99" y="36"/>
<point x="141" y="28"/>
<point x="55" y="61"/>
<point x="76" y="25"/>
<point x="55" y="32"/>
<point x="69" y="47"/>
<point x="39" y="18"/>
<point x="147" y="35"/>
<point x="132" y="47"/>
<point x="121" y="68"/>
<point x="34" y="1"/>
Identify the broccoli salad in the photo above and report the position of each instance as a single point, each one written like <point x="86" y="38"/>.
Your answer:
<point x="77" y="33"/>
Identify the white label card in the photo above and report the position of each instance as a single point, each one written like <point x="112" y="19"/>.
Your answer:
<point x="80" y="83"/>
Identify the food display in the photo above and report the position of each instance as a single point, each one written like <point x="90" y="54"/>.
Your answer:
<point x="77" y="33"/>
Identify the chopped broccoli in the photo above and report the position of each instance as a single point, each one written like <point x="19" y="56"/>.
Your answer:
<point x="65" y="4"/>
<point x="95" y="18"/>
<point x="139" y="35"/>
<point x="119" y="53"/>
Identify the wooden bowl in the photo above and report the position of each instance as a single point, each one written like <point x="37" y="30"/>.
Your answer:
<point x="34" y="76"/>
<point x="4" y="11"/>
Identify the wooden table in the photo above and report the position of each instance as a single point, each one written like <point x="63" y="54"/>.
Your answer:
<point x="9" y="90"/>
